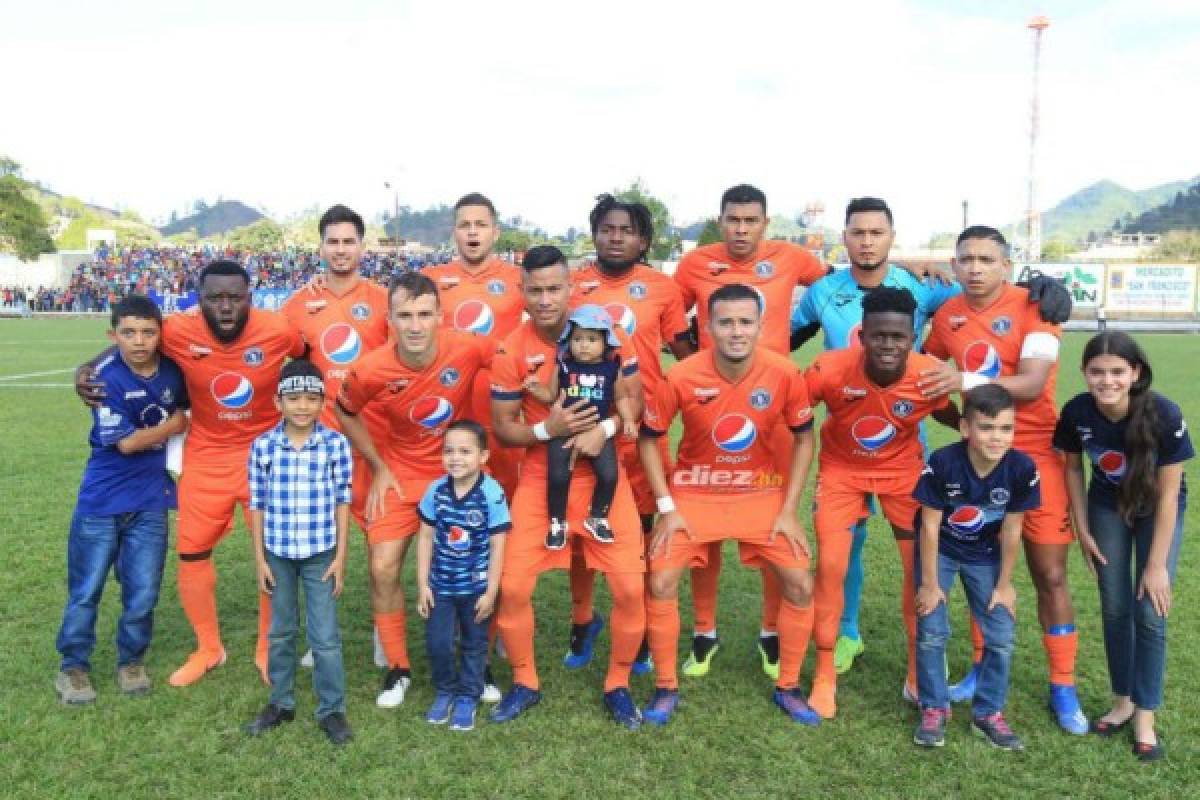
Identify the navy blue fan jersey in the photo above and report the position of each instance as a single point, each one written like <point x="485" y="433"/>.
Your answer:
<point x="463" y="528"/>
<point x="973" y="507"/>
<point x="589" y="383"/>
<point x="1081" y="427"/>
<point x="114" y="483"/>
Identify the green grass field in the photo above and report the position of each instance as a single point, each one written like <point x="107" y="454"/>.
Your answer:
<point x="727" y="740"/>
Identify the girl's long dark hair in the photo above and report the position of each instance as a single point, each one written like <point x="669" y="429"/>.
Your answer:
<point x="1137" y="494"/>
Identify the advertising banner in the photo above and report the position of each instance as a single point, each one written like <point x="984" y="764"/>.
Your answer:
<point x="1161" y="288"/>
<point x="1085" y="281"/>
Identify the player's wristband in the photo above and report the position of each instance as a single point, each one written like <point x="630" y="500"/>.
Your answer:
<point x="665" y="504"/>
<point x="540" y="432"/>
<point x="972" y="379"/>
<point x="610" y="427"/>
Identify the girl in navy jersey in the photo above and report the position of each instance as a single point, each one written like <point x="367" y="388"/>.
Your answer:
<point x="1129" y="520"/>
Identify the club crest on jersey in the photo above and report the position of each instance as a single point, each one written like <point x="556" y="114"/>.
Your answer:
<point x="431" y="411"/>
<point x="449" y="377"/>
<point x="1112" y="464"/>
<point x="999" y="496"/>
<point x="982" y="359"/>
<point x="623" y="316"/>
<point x="360" y="311"/>
<point x="458" y="540"/>
<point x="1001" y="326"/>
<point x="232" y="390"/>
<point x="734" y="433"/>
<point x="474" y="517"/>
<point x="764" y="269"/>
<point x="496" y="287"/>
<point x="474" y="316"/>
<point x="872" y="433"/>
<point x="637" y="290"/>
<point x="340" y="343"/>
<point x="966" y="519"/>
<point x="760" y="398"/>
<point x="253" y="356"/>
<point x="902" y="408"/>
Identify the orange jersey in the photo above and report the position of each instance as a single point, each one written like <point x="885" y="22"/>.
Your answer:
<point x="231" y="386"/>
<point x="418" y="403"/>
<point x="645" y="303"/>
<point x="488" y="302"/>
<point x="989" y="343"/>
<point x="870" y="428"/>
<point x="340" y="331"/>
<point x="775" y="270"/>
<point x="726" y="444"/>
<point x="524" y="353"/>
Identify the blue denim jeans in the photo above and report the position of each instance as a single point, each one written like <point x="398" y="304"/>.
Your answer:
<point x="451" y="614"/>
<point x="320" y="611"/>
<point x="136" y="545"/>
<point x="933" y="630"/>
<point x="1135" y="637"/>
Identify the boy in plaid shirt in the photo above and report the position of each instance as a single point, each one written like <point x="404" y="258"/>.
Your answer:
<point x="300" y="513"/>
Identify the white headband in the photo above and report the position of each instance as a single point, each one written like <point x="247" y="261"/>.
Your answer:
<point x="301" y="384"/>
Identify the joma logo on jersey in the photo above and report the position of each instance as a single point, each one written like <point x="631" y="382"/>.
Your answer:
<point x="703" y="475"/>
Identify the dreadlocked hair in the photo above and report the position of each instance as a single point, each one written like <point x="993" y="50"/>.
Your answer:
<point x="639" y="215"/>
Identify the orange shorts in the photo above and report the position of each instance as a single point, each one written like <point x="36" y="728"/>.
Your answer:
<point x="841" y="500"/>
<point x="525" y="551"/>
<point x="747" y="518"/>
<point x="208" y="493"/>
<point x="1050" y="523"/>
<point x="627" y="451"/>
<point x="399" y="519"/>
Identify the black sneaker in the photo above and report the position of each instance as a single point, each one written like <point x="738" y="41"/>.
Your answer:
<point x="768" y="651"/>
<point x="270" y="717"/>
<point x="336" y="728"/>
<point x="996" y="731"/>
<point x="599" y="528"/>
<point x="931" y="732"/>
<point x="556" y="537"/>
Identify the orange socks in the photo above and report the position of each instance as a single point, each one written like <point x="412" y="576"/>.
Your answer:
<point x="662" y="628"/>
<point x="627" y="626"/>
<point x="795" y="629"/>
<point x="198" y="596"/>
<point x="705" y="582"/>
<point x="516" y="626"/>
<point x="393" y="638"/>
<point x="772" y="596"/>
<point x="1061" y="643"/>
<point x="583" y="585"/>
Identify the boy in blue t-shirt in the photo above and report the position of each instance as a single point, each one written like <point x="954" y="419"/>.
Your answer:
<point x="588" y="371"/>
<point x="460" y="551"/>
<point x="120" y="517"/>
<point x="973" y="496"/>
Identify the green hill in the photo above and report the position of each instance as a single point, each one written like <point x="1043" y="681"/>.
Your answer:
<point x="1181" y="213"/>
<point x="214" y="220"/>
<point x="1096" y="208"/>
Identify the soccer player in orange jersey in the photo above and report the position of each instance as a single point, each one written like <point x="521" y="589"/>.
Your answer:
<point x="423" y="381"/>
<point x="647" y="306"/>
<point x="725" y="486"/>
<point x="481" y="294"/>
<point x="231" y="355"/>
<point x="522" y="421"/>
<point x="994" y="335"/>
<point x="870" y="445"/>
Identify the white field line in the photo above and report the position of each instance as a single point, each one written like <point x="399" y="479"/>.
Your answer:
<point x="36" y="374"/>
<point x="36" y="385"/>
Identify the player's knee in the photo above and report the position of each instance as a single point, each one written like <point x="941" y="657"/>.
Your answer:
<point x="664" y="585"/>
<point x="797" y="587"/>
<point x="1051" y="579"/>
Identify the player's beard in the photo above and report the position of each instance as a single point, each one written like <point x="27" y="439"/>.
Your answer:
<point x="869" y="266"/>
<point x="615" y="268"/>
<point x="219" y="334"/>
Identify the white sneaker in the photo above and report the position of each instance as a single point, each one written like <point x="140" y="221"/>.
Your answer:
<point x="380" y="657"/>
<point x="491" y="693"/>
<point x="306" y="660"/>
<point x="395" y="685"/>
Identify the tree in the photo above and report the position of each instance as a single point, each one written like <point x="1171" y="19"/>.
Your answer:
<point x="23" y="227"/>
<point x="665" y="240"/>
<point x="1056" y="250"/>
<point x="74" y="236"/>
<point x="711" y="233"/>
<point x="259" y="237"/>
<point x="513" y="241"/>
<point x="1178" y="246"/>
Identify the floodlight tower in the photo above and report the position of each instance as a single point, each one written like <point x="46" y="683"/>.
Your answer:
<point x="1033" y="240"/>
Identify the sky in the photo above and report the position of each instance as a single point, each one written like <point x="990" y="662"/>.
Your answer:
<point x="543" y="105"/>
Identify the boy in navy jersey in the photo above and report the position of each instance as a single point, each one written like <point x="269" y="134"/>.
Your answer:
<point x="460" y="550"/>
<point x="121" y="513"/>
<point x="588" y="372"/>
<point x="973" y="496"/>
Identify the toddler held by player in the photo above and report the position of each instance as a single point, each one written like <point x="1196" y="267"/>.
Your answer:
<point x="588" y="372"/>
